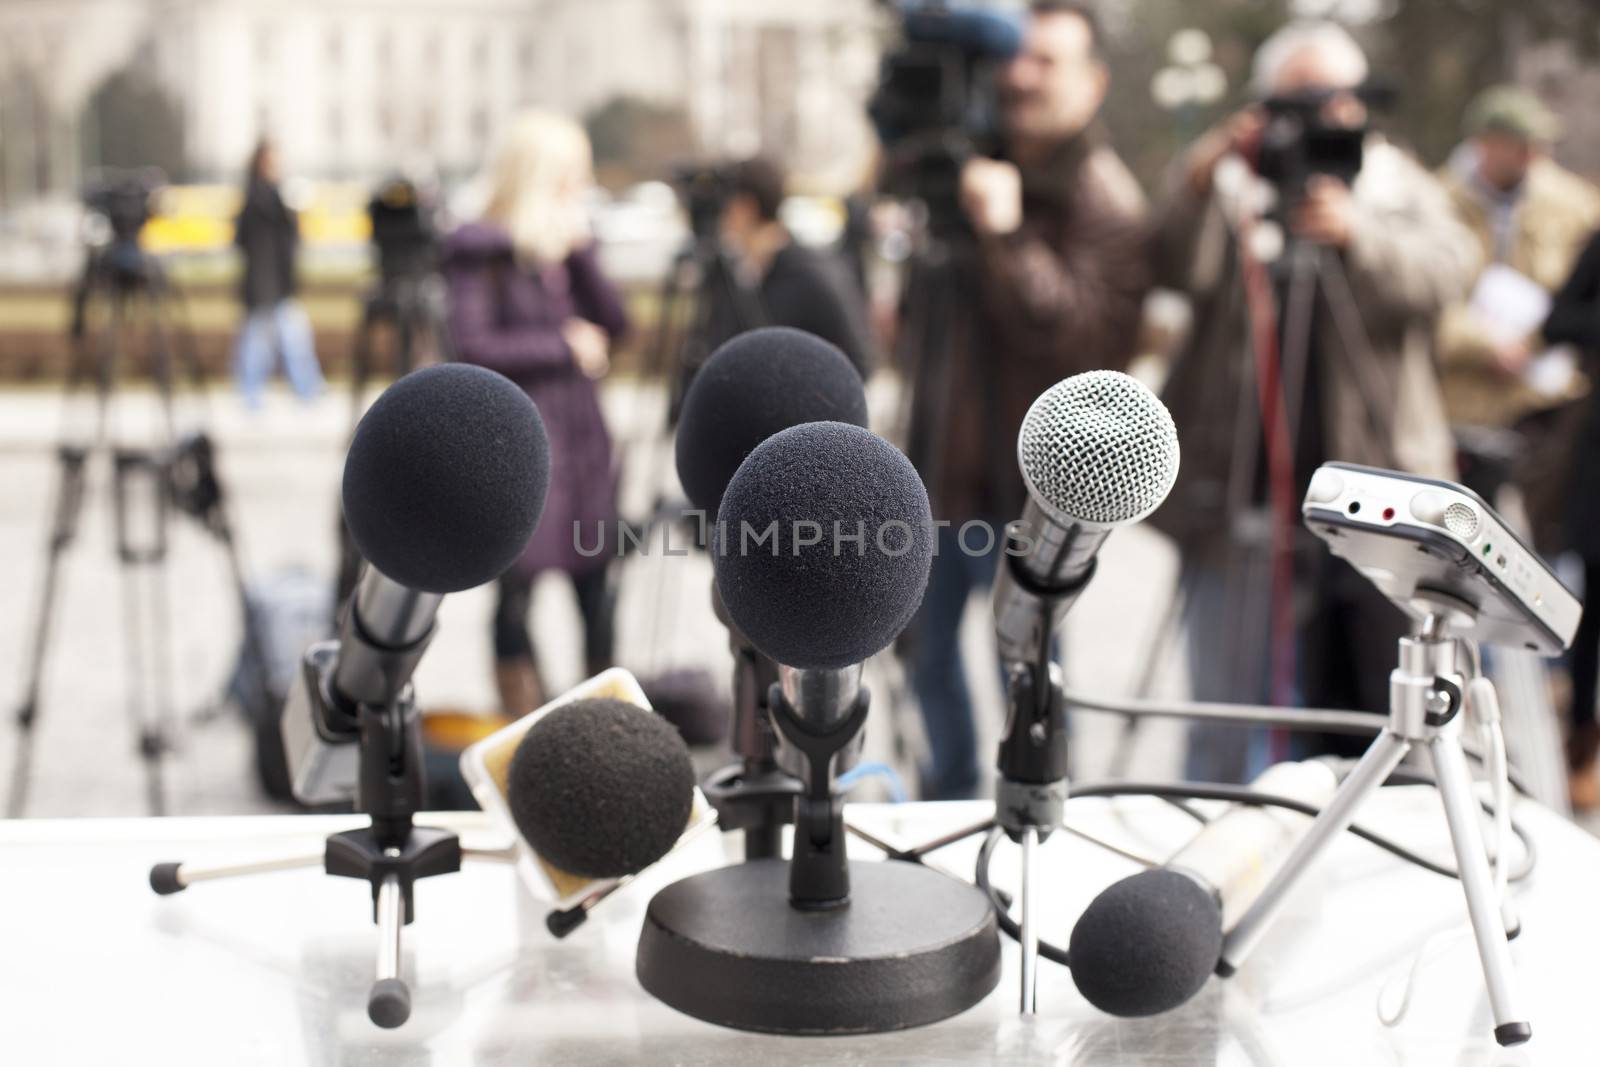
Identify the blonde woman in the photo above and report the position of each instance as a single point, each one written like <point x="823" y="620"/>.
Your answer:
<point x="527" y="299"/>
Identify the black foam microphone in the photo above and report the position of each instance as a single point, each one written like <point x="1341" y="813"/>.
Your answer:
<point x="601" y="788"/>
<point x="751" y="387"/>
<point x="443" y="486"/>
<point x="822" y="551"/>
<point x="824" y="541"/>
<point x="1148" y="943"/>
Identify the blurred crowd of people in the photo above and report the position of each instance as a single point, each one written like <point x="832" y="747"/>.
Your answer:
<point x="1445" y="324"/>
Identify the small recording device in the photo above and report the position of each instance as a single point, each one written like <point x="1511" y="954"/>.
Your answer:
<point x="1299" y="143"/>
<point x="1421" y="541"/>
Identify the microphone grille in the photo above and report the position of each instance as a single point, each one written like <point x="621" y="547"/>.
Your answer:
<point x="1098" y="448"/>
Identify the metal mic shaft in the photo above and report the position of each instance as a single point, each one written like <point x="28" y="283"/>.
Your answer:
<point x="1046" y="563"/>
<point x="383" y="617"/>
<point x="822" y="699"/>
<point x="392" y="614"/>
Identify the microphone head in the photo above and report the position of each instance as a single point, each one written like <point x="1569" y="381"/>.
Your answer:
<point x="1146" y="944"/>
<point x="601" y="788"/>
<point x="792" y="574"/>
<point x="754" y="385"/>
<point x="446" y="478"/>
<point x="1098" y="448"/>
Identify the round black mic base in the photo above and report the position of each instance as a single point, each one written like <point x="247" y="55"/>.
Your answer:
<point x="911" y="948"/>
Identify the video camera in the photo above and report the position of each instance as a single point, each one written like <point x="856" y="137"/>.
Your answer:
<point x="403" y="230"/>
<point x="935" y="104"/>
<point x="705" y="189"/>
<point x="1298" y="142"/>
<point x="125" y="199"/>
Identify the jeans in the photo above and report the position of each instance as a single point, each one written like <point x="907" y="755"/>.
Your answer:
<point x="937" y="674"/>
<point x="284" y="329"/>
<point x="1344" y="649"/>
<point x="1228" y="663"/>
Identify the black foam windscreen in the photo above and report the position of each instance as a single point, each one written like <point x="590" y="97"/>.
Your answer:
<point x="823" y="545"/>
<point x="446" y="478"/>
<point x="753" y="386"/>
<point x="1146" y="944"/>
<point x="601" y="788"/>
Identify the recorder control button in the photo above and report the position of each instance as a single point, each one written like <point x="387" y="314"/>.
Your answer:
<point x="1326" y="487"/>
<point x="1429" y="507"/>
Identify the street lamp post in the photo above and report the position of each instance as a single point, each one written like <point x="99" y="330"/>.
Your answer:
<point x="1189" y="82"/>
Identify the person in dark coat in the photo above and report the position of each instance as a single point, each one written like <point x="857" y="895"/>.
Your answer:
<point x="1575" y="319"/>
<point x="267" y="234"/>
<point x="527" y="299"/>
<point x="811" y="289"/>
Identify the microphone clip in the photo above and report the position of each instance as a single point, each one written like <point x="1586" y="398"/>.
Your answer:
<point x="819" y="876"/>
<point x="1032" y="790"/>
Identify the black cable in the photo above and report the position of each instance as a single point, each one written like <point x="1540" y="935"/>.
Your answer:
<point x="1240" y="794"/>
<point x="1237" y="794"/>
<point x="1188" y="809"/>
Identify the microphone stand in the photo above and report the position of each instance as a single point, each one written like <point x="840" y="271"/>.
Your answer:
<point x="819" y="944"/>
<point x="755" y="795"/>
<point x="1031" y="794"/>
<point x="391" y="852"/>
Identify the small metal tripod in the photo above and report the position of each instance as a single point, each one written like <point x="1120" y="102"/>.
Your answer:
<point x="1427" y="692"/>
<point x="391" y="853"/>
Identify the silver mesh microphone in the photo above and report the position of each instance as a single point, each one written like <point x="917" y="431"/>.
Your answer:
<point x="1097" y="451"/>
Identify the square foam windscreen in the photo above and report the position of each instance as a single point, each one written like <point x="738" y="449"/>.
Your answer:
<point x="486" y="766"/>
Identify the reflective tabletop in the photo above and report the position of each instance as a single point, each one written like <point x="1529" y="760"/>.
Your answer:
<point x="274" y="969"/>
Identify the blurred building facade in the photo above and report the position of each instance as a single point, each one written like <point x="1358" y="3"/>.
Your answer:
<point x="354" y="88"/>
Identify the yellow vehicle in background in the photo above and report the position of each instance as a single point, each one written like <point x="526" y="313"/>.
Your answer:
<point x="199" y="218"/>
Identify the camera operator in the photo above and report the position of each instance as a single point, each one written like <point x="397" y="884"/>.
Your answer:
<point x="1356" y="372"/>
<point x="806" y="288"/>
<point x="1057" y="283"/>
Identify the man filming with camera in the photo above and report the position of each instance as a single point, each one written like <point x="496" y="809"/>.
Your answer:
<point x="1054" y="286"/>
<point x="1317" y="258"/>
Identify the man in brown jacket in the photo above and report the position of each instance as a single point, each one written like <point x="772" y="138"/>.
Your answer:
<point x="1053" y="284"/>
<point x="1272" y="617"/>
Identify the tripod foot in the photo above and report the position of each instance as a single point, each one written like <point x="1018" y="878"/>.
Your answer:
<point x="1513" y="1033"/>
<point x="389" y="1003"/>
<point x="164" y="879"/>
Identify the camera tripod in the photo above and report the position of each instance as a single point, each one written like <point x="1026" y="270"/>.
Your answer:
<point x="1428" y="691"/>
<point x="411" y="305"/>
<point x="391" y="852"/>
<point x="123" y="285"/>
<point x="1270" y="391"/>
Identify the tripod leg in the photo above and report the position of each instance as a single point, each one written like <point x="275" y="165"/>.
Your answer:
<point x="168" y="878"/>
<point x="1386" y="752"/>
<point x="68" y="508"/>
<point x="1030" y="930"/>
<point x="389" y="1004"/>
<point x="1461" y="811"/>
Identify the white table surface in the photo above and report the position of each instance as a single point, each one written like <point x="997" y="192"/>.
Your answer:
<point x="274" y="969"/>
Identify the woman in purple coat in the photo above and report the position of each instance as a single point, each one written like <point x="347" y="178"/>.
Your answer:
<point x="527" y="299"/>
